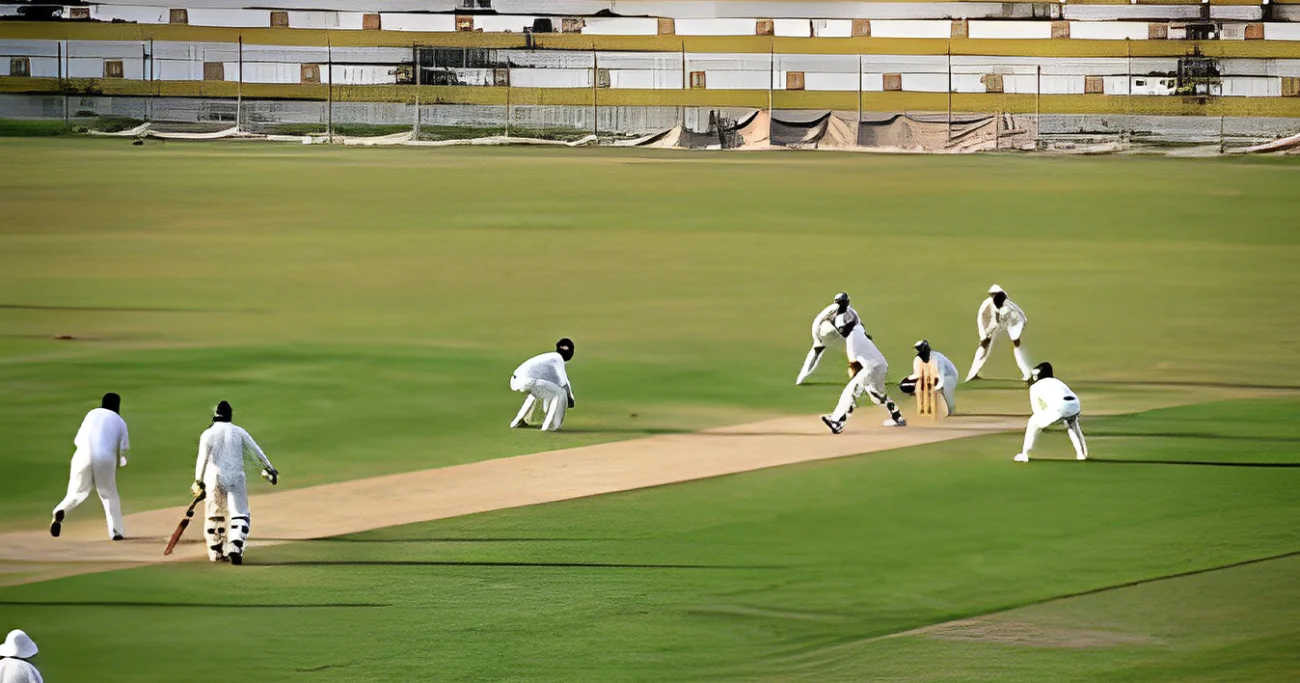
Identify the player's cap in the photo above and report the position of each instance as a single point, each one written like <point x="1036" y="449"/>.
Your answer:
<point x="919" y="343"/>
<point x="842" y="298"/>
<point x="996" y="289"/>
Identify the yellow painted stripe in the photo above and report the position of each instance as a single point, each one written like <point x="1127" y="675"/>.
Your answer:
<point x="1256" y="49"/>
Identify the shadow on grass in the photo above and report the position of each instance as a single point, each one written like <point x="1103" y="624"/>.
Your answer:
<point x="1202" y="463"/>
<point x="525" y="565"/>
<point x="1195" y="435"/>
<point x="441" y="540"/>
<point x="191" y="605"/>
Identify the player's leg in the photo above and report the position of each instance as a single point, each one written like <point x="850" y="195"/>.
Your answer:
<point x="104" y="471"/>
<point x="875" y="386"/>
<point x="80" y="481"/>
<point x="556" y="400"/>
<point x="240" y="523"/>
<point x="1076" y="437"/>
<point x="214" y="530"/>
<point x="848" y="398"/>
<point x="1039" y="421"/>
<point x="810" y="363"/>
<point x="1022" y="360"/>
<point x="981" y="357"/>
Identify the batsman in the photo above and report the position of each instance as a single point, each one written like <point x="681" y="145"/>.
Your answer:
<point x="219" y="472"/>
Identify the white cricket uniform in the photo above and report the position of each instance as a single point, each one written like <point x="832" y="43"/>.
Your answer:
<point x="220" y="466"/>
<point x="101" y="444"/>
<point x="871" y="379"/>
<point x="543" y="377"/>
<point x="946" y="383"/>
<point x="14" y="670"/>
<point x="823" y="334"/>
<point x="1052" y="402"/>
<point x="992" y="320"/>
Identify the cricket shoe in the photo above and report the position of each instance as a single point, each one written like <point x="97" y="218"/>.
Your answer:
<point x="835" y="426"/>
<point x="519" y="424"/>
<point x="118" y="537"/>
<point x="1080" y="457"/>
<point x="235" y="558"/>
<point x="891" y="422"/>
<point x="56" y="526"/>
<point x="1021" y="457"/>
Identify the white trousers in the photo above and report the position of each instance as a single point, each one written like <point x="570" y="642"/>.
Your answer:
<point x="554" y="398"/>
<point x="1067" y="412"/>
<point x="101" y="474"/>
<point x="228" y="520"/>
<point x="871" y="380"/>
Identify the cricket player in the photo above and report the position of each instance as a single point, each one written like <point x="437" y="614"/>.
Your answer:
<point x="15" y="654"/>
<point x="543" y="377"/>
<point x="945" y="383"/>
<point x="824" y="332"/>
<point x="870" y="372"/>
<point x="1052" y="402"/>
<point x="219" y="471"/>
<point x="999" y="314"/>
<point x="101" y="448"/>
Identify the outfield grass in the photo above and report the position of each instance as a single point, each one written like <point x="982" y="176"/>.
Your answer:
<point x="363" y="309"/>
<point x="795" y="573"/>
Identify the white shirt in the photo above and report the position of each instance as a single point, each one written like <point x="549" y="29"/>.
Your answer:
<point x="1050" y="392"/>
<point x="861" y="349"/>
<point x="991" y="318"/>
<point x="18" y="670"/>
<point x="102" y="434"/>
<point x="547" y="366"/>
<point x="221" y="451"/>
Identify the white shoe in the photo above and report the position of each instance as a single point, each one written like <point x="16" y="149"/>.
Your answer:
<point x="1080" y="457"/>
<point x="1021" y="457"/>
<point x="891" y="422"/>
<point x="518" y="424"/>
<point x="836" y="426"/>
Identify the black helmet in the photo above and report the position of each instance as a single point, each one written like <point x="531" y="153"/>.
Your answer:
<point x="1042" y="371"/>
<point x="564" y="347"/>
<point x="922" y="350"/>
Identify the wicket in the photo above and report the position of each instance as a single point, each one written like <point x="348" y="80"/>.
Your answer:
<point x="926" y="401"/>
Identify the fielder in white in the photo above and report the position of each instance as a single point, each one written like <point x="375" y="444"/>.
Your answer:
<point x="1052" y="402"/>
<point x="945" y="383"/>
<point x="543" y="377"/>
<point x="824" y="333"/>
<point x="101" y="449"/>
<point x="871" y="370"/>
<point x="997" y="314"/>
<point x="15" y="656"/>
<point x="220" y="472"/>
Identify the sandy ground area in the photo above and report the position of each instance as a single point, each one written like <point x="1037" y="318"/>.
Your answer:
<point x="365" y="504"/>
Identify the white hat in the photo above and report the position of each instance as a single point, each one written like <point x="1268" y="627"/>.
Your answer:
<point x="995" y="289"/>
<point x="18" y="645"/>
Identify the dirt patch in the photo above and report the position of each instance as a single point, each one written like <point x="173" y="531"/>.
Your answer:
<point x="1027" y="634"/>
<point x="365" y="504"/>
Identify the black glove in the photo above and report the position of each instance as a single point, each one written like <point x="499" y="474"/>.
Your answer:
<point x="570" y="400"/>
<point x="271" y="475"/>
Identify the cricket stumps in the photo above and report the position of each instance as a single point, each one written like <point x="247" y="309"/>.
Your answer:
<point x="927" y="404"/>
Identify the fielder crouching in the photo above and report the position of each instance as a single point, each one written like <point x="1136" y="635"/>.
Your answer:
<point x="1053" y="402"/>
<point x="220" y="472"/>
<point x="543" y="376"/>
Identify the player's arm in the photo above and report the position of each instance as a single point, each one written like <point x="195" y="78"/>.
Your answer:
<point x="1017" y="311"/>
<point x="564" y="382"/>
<point x="827" y="315"/>
<point x="984" y="319"/>
<point x="123" y="444"/>
<point x="201" y="465"/>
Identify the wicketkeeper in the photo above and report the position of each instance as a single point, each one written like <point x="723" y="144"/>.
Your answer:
<point x="220" y="471"/>
<point x="946" y="381"/>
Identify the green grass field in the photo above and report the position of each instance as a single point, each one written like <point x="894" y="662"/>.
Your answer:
<point x="363" y="309"/>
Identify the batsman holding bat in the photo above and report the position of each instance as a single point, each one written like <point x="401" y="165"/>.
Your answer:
<point x="219" y="473"/>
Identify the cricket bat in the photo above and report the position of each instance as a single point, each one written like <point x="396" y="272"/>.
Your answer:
<point x="180" y="528"/>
